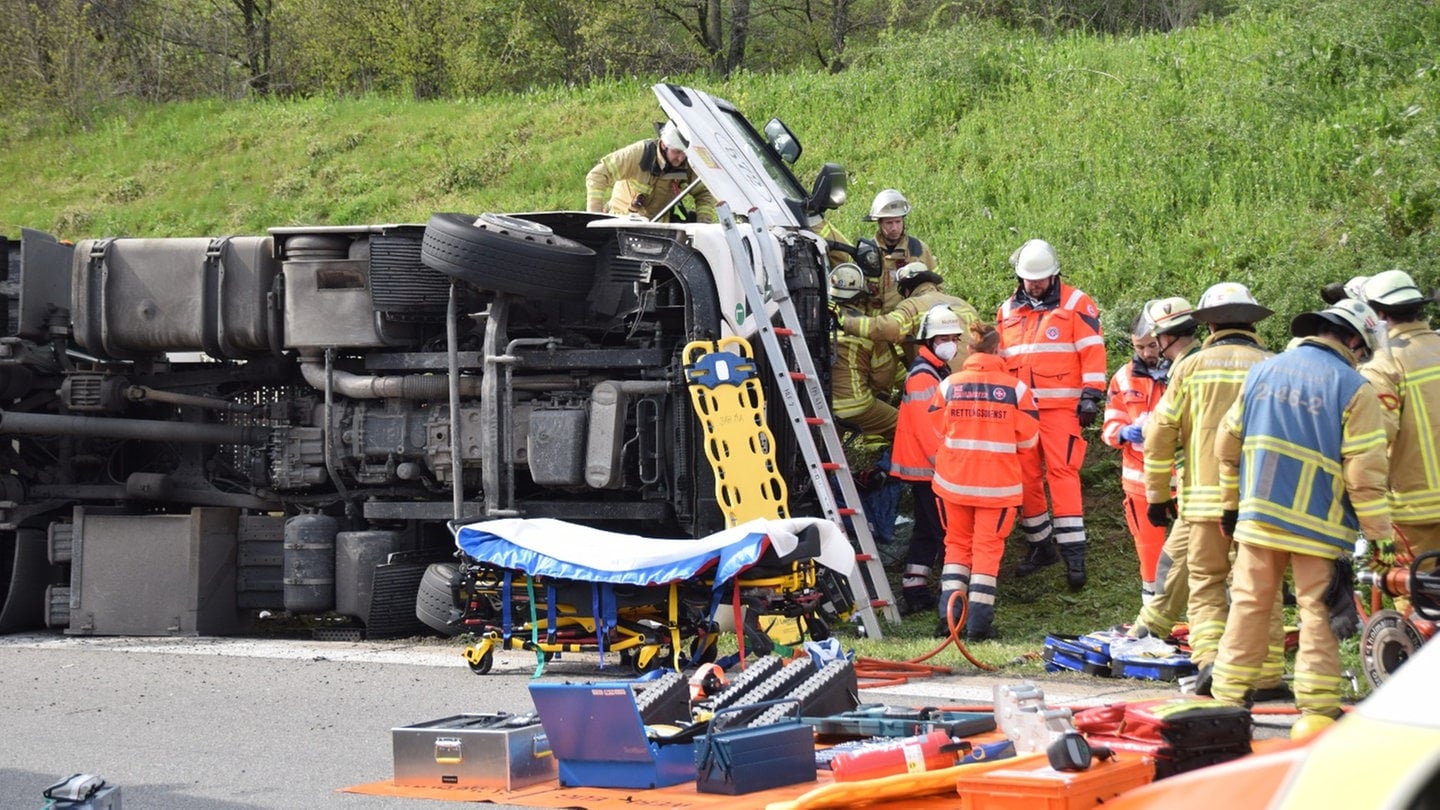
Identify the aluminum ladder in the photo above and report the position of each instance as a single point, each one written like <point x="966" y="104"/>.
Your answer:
<point x="808" y="408"/>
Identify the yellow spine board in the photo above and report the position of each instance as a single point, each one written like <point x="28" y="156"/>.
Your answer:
<point x="730" y="404"/>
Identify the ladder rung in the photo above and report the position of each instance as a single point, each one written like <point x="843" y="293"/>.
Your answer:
<point x="814" y="421"/>
<point x="783" y="331"/>
<point x="879" y="603"/>
<point x="846" y="510"/>
<point x="799" y="375"/>
<point x="829" y="466"/>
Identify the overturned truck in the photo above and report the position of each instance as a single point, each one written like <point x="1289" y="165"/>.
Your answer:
<point x="193" y="430"/>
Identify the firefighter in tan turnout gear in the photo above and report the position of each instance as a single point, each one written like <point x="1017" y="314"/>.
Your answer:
<point x="1303" y="468"/>
<point x="1406" y="373"/>
<point x="1201" y="389"/>
<point x="897" y="247"/>
<point x="646" y="177"/>
<point x="865" y="371"/>
<point x="921" y="287"/>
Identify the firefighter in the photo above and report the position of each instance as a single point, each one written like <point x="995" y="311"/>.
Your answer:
<point x="1407" y="376"/>
<point x="897" y="248"/>
<point x="645" y="177"/>
<point x="1201" y="389"/>
<point x="1134" y="390"/>
<point x="988" y="423"/>
<point x="920" y="287"/>
<point x="1050" y="338"/>
<point x="912" y="458"/>
<point x="1170" y="322"/>
<point x="1303" y="465"/>
<point x="862" y="380"/>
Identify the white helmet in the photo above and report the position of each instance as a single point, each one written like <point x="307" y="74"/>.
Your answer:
<point x="846" y="281"/>
<point x="1166" y="316"/>
<point x="1392" y="289"/>
<point x="940" y="320"/>
<point x="1229" y="302"/>
<point x="888" y="203"/>
<point x="671" y="138"/>
<point x="910" y="271"/>
<point x="1347" y="312"/>
<point x="1035" y="260"/>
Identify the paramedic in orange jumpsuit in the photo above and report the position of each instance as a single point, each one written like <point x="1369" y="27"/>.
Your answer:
<point x="989" y="423"/>
<point x="1134" y="390"/>
<point x="912" y="458"/>
<point x="1050" y="338"/>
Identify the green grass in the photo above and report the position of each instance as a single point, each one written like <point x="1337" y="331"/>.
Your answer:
<point x="1286" y="145"/>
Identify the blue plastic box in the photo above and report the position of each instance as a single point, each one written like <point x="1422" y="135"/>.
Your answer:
<point x="599" y="740"/>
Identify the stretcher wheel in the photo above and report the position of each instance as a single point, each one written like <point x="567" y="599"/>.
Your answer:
<point x="819" y="628"/>
<point x="703" y="649"/>
<point x="484" y="664"/>
<point x="641" y="665"/>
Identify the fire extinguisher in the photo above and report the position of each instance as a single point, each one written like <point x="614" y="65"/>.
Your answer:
<point x="926" y="752"/>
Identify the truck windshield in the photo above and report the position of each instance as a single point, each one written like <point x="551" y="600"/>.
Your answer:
<point x="765" y="156"/>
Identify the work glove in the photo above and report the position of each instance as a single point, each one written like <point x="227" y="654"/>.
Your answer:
<point x="1339" y="600"/>
<point x="1382" y="554"/>
<point x="1089" y="407"/>
<point x="1228" y="519"/>
<point x="1160" y="514"/>
<point x="1133" y="434"/>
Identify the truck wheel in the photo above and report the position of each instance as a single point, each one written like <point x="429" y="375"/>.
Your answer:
<point x="435" y="602"/>
<point x="508" y="254"/>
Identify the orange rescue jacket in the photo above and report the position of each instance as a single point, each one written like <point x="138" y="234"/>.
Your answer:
<point x="1056" y="346"/>
<point x="912" y="458"/>
<point x="987" y="418"/>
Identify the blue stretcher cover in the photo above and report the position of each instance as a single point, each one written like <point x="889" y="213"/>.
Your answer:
<point x="557" y="548"/>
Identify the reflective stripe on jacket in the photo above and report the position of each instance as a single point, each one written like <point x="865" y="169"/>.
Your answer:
<point x="912" y="458"/>
<point x="1407" y="379"/>
<point x="1056" y="348"/>
<point x="1304" y="453"/>
<point x="1202" y="387"/>
<point x="987" y="418"/>
<point x="1131" y="397"/>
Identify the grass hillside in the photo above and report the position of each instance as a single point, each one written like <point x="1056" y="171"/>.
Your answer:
<point x="1289" y="144"/>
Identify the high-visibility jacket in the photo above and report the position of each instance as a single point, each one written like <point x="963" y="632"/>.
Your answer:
<point x="1202" y="387"/>
<point x="1407" y="378"/>
<point x="894" y="256"/>
<point x="1303" y="453"/>
<point x="1133" y="393"/>
<point x="987" y="418"/>
<point x="1054" y="346"/>
<point x="864" y="370"/>
<point x="636" y="179"/>
<point x="903" y="321"/>
<point x="912" y="457"/>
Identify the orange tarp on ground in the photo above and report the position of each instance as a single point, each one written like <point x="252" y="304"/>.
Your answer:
<point x="550" y="794"/>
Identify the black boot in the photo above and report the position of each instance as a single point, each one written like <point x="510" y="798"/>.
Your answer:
<point x="917" y="600"/>
<point x="1037" y="556"/>
<point x="1074" y="554"/>
<point x="980" y="623"/>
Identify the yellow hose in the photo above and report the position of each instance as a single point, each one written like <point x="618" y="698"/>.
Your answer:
<point x="899" y="786"/>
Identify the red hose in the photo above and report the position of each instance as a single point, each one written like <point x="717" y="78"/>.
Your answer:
<point x="878" y="672"/>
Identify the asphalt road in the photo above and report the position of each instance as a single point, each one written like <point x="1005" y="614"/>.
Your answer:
<point x="232" y="724"/>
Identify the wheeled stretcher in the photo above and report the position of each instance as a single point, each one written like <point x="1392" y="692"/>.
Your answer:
<point x="553" y="587"/>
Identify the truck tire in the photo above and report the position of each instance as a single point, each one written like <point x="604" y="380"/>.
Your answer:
<point x="435" y="602"/>
<point x="509" y="255"/>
